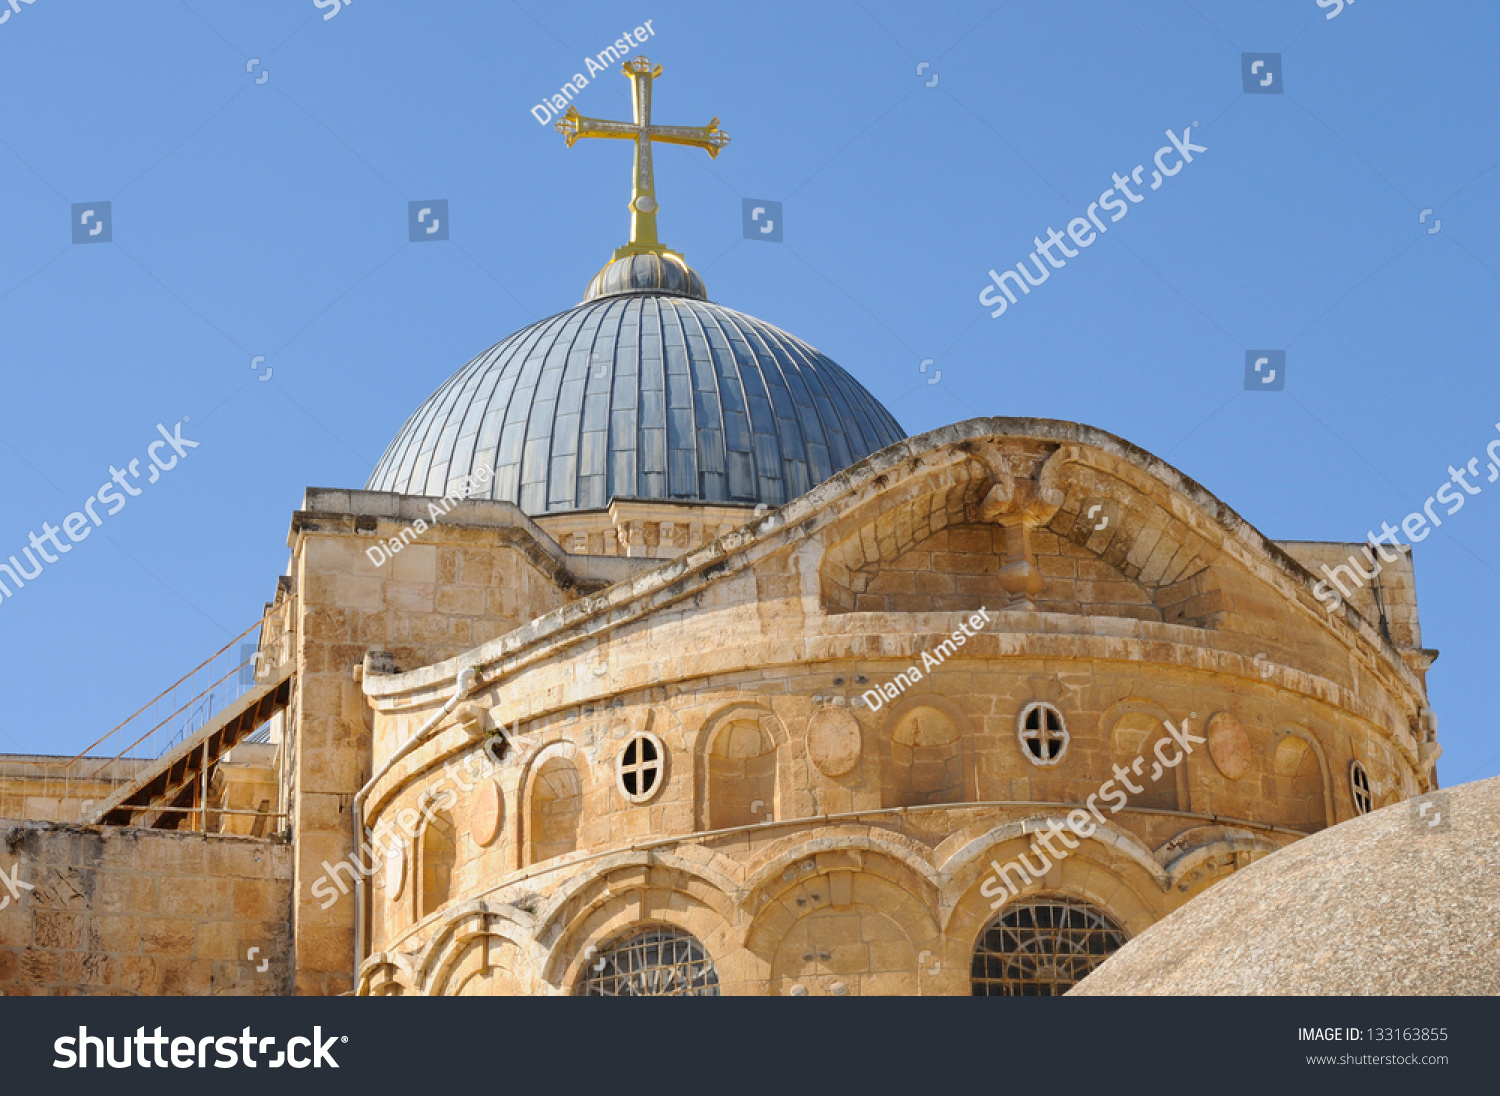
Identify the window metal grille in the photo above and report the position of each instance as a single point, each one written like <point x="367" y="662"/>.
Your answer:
<point x="656" y="963"/>
<point x="1359" y="785"/>
<point x="1042" y="949"/>
<point x="1043" y="734"/>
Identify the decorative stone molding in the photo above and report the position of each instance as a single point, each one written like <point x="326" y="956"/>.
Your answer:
<point x="1019" y="505"/>
<point x="487" y="813"/>
<point x="1228" y="745"/>
<point x="833" y="741"/>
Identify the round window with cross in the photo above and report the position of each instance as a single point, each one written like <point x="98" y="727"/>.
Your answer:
<point x="1359" y="784"/>
<point x="638" y="770"/>
<point x="1043" y="734"/>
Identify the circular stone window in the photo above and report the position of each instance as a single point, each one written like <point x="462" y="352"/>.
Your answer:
<point x="1359" y="785"/>
<point x="1043" y="734"/>
<point x="638" y="769"/>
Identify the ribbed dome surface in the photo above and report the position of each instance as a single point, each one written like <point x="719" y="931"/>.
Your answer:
<point x="640" y="396"/>
<point x="646" y="273"/>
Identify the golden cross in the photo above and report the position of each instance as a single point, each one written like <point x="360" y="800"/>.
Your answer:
<point x="643" y="205"/>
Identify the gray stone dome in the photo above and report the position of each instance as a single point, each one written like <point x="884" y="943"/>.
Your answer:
<point x="650" y="395"/>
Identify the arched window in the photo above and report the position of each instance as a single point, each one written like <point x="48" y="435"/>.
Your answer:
<point x="1043" y="734"/>
<point x="1137" y="735"/>
<point x="927" y="764"/>
<point x="1299" y="785"/>
<point x="556" y="809"/>
<point x="1042" y="948"/>
<point x="659" y="962"/>
<point x="741" y="775"/>
<point x="437" y="862"/>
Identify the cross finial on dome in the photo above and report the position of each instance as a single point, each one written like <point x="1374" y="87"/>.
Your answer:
<point x="643" y="131"/>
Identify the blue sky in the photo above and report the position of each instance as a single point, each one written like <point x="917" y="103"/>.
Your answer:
<point x="269" y="219"/>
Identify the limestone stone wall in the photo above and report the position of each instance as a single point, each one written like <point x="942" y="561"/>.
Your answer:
<point x="959" y="567"/>
<point x="59" y="789"/>
<point x="1275" y="761"/>
<point x="1392" y="593"/>
<point x="481" y="570"/>
<point x="892" y="904"/>
<point x="126" y="911"/>
<point x="247" y="780"/>
<point x="860" y="862"/>
<point x="640" y="529"/>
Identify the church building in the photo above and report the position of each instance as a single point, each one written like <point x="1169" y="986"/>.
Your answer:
<point x="655" y="658"/>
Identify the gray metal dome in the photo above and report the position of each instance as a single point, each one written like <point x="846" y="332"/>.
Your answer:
<point x="647" y="273"/>
<point x="644" y="395"/>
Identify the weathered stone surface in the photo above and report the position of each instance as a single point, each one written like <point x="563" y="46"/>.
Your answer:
<point x="1402" y="901"/>
<point x="745" y="658"/>
<point x="148" y="916"/>
<point x="854" y="851"/>
<point x="833" y="741"/>
<point x="484" y="821"/>
<point x="1228" y="745"/>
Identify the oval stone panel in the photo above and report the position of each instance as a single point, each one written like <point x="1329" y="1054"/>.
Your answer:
<point x="484" y="817"/>
<point x="833" y="741"/>
<point x="1228" y="745"/>
<point x="395" y="870"/>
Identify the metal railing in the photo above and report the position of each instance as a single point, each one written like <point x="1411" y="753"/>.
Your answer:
<point x="73" y="790"/>
<point x="162" y="723"/>
<point x="213" y="684"/>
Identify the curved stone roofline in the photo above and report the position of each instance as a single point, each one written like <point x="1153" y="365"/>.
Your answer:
<point x="669" y="582"/>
